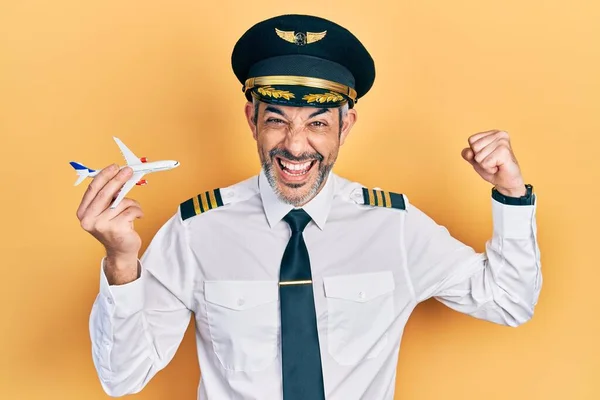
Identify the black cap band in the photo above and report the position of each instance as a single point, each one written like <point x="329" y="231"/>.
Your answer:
<point x="303" y="65"/>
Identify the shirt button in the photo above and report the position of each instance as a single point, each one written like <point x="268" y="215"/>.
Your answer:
<point x="241" y="302"/>
<point x="357" y="195"/>
<point x="109" y="300"/>
<point x="361" y="295"/>
<point x="230" y="194"/>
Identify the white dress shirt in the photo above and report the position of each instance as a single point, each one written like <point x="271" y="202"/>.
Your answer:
<point x="370" y="265"/>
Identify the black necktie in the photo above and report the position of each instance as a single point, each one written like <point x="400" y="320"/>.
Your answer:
<point x="301" y="358"/>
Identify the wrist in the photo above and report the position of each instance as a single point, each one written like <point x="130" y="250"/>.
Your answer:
<point x="515" y="196"/>
<point x="512" y="192"/>
<point x="121" y="269"/>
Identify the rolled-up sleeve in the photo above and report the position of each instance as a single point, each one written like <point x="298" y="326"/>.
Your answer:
<point x="136" y="328"/>
<point x="500" y="285"/>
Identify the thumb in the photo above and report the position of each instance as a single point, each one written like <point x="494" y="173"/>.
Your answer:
<point x="468" y="154"/>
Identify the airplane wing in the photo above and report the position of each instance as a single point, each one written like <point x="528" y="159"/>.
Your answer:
<point x="130" y="158"/>
<point x="126" y="188"/>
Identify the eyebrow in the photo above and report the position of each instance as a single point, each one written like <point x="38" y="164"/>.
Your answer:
<point x="275" y="110"/>
<point x="319" y="112"/>
<point x="280" y="112"/>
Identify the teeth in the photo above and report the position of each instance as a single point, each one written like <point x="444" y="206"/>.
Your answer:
<point x="295" y="167"/>
<point x="295" y="173"/>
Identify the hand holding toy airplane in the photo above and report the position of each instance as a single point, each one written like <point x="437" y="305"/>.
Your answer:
<point x="140" y="167"/>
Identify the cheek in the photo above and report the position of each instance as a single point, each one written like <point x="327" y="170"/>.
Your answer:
<point x="269" y="138"/>
<point x="327" y="144"/>
<point x="264" y="143"/>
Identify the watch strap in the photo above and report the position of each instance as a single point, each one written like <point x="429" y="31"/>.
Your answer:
<point x="527" y="200"/>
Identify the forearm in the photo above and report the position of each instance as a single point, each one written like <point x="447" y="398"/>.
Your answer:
<point x="503" y="285"/>
<point x="128" y="334"/>
<point x="514" y="258"/>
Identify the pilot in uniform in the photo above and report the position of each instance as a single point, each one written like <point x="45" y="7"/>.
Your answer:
<point x="304" y="303"/>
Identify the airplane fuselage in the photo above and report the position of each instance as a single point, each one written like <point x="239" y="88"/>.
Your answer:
<point x="148" y="167"/>
<point x="153" y="166"/>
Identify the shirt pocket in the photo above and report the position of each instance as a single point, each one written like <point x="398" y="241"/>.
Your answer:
<point x="243" y="322"/>
<point x="360" y="312"/>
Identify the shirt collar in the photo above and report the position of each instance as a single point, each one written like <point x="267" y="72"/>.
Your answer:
<point x="318" y="208"/>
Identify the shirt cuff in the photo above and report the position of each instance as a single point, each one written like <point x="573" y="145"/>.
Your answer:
<point x="124" y="300"/>
<point x="513" y="221"/>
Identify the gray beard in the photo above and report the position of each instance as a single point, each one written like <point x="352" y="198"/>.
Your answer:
<point x="296" y="200"/>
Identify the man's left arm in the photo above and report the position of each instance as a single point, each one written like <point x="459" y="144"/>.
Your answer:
<point x="501" y="285"/>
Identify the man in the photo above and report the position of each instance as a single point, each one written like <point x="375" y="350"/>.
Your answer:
<point x="300" y="281"/>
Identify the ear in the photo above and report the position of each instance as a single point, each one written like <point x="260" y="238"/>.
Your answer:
<point x="349" y="121"/>
<point x="249" y="112"/>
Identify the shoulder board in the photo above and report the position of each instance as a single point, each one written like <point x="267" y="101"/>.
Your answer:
<point x="380" y="198"/>
<point x="201" y="203"/>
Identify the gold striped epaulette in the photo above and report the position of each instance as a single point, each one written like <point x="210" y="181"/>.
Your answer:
<point x="201" y="203"/>
<point x="380" y="198"/>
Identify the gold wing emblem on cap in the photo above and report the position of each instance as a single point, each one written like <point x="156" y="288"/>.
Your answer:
<point x="300" y="38"/>
<point x="288" y="36"/>
<point x="314" y="37"/>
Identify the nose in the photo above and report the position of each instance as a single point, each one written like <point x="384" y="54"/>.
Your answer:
<point x="296" y="141"/>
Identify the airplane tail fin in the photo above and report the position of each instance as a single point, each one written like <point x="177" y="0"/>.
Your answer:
<point x="82" y="171"/>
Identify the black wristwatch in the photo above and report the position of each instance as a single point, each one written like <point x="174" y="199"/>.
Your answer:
<point x="527" y="200"/>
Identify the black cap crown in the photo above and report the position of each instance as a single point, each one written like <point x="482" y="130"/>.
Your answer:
<point x="302" y="60"/>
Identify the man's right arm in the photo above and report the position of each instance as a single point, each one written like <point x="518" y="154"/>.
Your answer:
<point x="142" y="311"/>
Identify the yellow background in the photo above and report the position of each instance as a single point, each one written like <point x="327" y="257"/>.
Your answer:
<point x="157" y="75"/>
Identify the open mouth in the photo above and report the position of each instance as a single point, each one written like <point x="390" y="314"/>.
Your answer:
<point x="295" y="170"/>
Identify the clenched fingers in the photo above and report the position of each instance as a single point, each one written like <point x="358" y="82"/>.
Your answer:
<point x="474" y="138"/>
<point x="501" y="155"/>
<point x="119" y="219"/>
<point x="111" y="213"/>
<point x="481" y="145"/>
<point x="484" y="141"/>
<point x="490" y="148"/>
<point x="129" y="215"/>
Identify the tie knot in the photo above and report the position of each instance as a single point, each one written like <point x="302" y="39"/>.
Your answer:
<point x="297" y="220"/>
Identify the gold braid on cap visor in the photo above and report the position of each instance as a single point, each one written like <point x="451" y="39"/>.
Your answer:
<point x="301" y="81"/>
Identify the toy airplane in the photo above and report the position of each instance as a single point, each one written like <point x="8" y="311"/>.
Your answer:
<point x="140" y="167"/>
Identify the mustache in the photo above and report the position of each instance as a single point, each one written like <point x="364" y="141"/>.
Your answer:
<point x="302" y="157"/>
